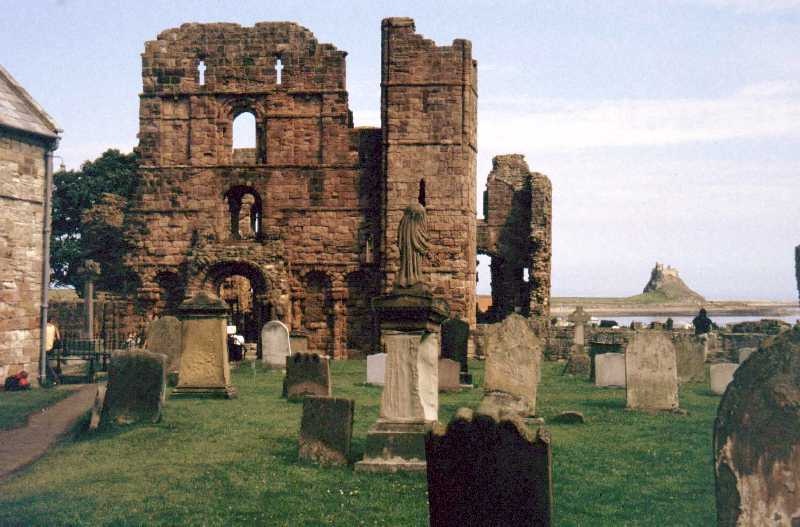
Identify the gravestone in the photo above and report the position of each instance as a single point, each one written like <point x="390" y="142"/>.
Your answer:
<point x="326" y="430"/>
<point x="579" y="318"/>
<point x="136" y="387"/>
<point x="275" y="345"/>
<point x="204" y="369"/>
<point x="449" y="375"/>
<point x="690" y="355"/>
<point x="651" y="373"/>
<point x="744" y="353"/>
<point x="455" y="343"/>
<point x="489" y="471"/>
<point x="721" y="375"/>
<point x="376" y="369"/>
<point x="164" y="336"/>
<point x="513" y="362"/>
<point x="610" y="370"/>
<point x="298" y="342"/>
<point x="97" y="407"/>
<point x="307" y="374"/>
<point x="757" y="439"/>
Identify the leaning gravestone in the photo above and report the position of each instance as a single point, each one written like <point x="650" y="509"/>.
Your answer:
<point x="489" y="471"/>
<point x="136" y="387"/>
<point x="307" y="374"/>
<point x="513" y="360"/>
<point x="690" y="355"/>
<point x="449" y="375"/>
<point x="376" y="369"/>
<point x="721" y="375"/>
<point x="610" y="370"/>
<point x="757" y="439"/>
<point x="455" y="342"/>
<point x="326" y="430"/>
<point x="651" y="373"/>
<point x="275" y="344"/>
<point x="164" y="336"/>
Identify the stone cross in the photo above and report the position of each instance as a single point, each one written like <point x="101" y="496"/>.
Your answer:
<point x="579" y="317"/>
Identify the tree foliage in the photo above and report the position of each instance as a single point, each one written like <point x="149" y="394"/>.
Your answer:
<point x="88" y="220"/>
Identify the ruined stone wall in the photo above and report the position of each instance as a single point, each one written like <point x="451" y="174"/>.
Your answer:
<point x="429" y="122"/>
<point x="22" y="179"/>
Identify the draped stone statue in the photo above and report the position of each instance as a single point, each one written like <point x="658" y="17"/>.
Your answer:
<point x="412" y="238"/>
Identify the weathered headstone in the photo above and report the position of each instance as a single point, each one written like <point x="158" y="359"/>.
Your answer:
<point x="455" y="343"/>
<point x="136" y="387"/>
<point x="757" y="439"/>
<point x="376" y="368"/>
<point x="307" y="374"/>
<point x="690" y="354"/>
<point x="651" y="373"/>
<point x="164" y="336"/>
<point x="298" y="342"/>
<point x="486" y="471"/>
<point x="721" y="375"/>
<point x="97" y="407"/>
<point x="275" y="345"/>
<point x="513" y="360"/>
<point x="609" y="370"/>
<point x="449" y="375"/>
<point x="204" y="369"/>
<point x="744" y="353"/>
<point x="326" y="430"/>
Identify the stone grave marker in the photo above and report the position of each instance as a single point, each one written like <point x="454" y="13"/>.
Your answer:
<point x="610" y="370"/>
<point x="136" y="388"/>
<point x="721" y="375"/>
<point x="579" y="318"/>
<point x="307" y="374"/>
<point x="651" y="373"/>
<point x="744" y="353"/>
<point x="97" y="407"/>
<point x="376" y="369"/>
<point x="757" y="439"/>
<point x="489" y="471"/>
<point x="275" y="345"/>
<point x="449" y="375"/>
<point x="690" y="355"/>
<point x="513" y="361"/>
<point x="164" y="336"/>
<point x="326" y="430"/>
<point x="455" y="343"/>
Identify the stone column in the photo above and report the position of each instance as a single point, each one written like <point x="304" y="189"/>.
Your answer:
<point x="410" y="325"/>
<point x="339" y="350"/>
<point x="204" y="369"/>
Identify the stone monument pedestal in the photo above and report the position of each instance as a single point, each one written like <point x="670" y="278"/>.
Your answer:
<point x="410" y="323"/>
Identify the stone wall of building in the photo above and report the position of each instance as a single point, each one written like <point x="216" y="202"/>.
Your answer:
<point x="22" y="177"/>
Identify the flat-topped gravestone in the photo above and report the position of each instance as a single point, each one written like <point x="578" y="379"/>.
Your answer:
<point x="455" y="344"/>
<point x="513" y="357"/>
<point x="298" y="342"/>
<point x="164" y="336"/>
<point x="275" y="345"/>
<point x="485" y="471"/>
<point x="376" y="368"/>
<point x="690" y="355"/>
<point x="449" y="375"/>
<point x="326" y="430"/>
<point x="610" y="370"/>
<point x="721" y="375"/>
<point x="651" y="373"/>
<point x="307" y="374"/>
<point x="136" y="386"/>
<point x="757" y="439"/>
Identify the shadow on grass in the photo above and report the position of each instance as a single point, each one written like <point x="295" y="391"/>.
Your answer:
<point x="607" y="404"/>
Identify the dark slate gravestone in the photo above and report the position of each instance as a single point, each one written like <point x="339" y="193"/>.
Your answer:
<point x="757" y="438"/>
<point x="307" y="374"/>
<point x="136" y="385"/>
<point x="483" y="471"/>
<point x="326" y="430"/>
<point x="455" y="340"/>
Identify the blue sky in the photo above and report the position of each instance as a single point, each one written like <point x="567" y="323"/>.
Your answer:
<point x="670" y="129"/>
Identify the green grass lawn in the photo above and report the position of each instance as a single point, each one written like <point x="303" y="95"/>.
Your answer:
<point x="15" y="407"/>
<point x="218" y="462"/>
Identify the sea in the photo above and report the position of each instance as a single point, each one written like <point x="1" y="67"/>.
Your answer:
<point x="680" y="321"/>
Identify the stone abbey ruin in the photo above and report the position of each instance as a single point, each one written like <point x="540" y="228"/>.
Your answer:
<point x="302" y="228"/>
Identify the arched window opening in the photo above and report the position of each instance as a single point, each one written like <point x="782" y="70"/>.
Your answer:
<point x="201" y="73"/>
<point x="278" y="71"/>
<point x="244" y="208"/>
<point x="244" y="139"/>
<point x="421" y="197"/>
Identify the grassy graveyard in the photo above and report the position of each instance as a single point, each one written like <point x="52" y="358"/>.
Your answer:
<point x="218" y="462"/>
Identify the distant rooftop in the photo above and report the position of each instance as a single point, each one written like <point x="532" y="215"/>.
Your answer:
<point x="18" y="110"/>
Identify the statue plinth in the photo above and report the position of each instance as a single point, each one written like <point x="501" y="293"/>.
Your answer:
<point x="410" y="322"/>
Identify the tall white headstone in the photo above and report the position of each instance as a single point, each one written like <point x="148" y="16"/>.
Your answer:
<point x="275" y="345"/>
<point x="376" y="369"/>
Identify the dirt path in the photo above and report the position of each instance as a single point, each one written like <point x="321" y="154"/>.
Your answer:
<point x="21" y="446"/>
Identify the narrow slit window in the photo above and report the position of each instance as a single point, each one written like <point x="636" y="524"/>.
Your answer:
<point x="278" y="71"/>
<point x="201" y="73"/>
<point x="421" y="197"/>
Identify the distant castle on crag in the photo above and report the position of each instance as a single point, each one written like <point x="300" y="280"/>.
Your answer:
<point x="665" y="281"/>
